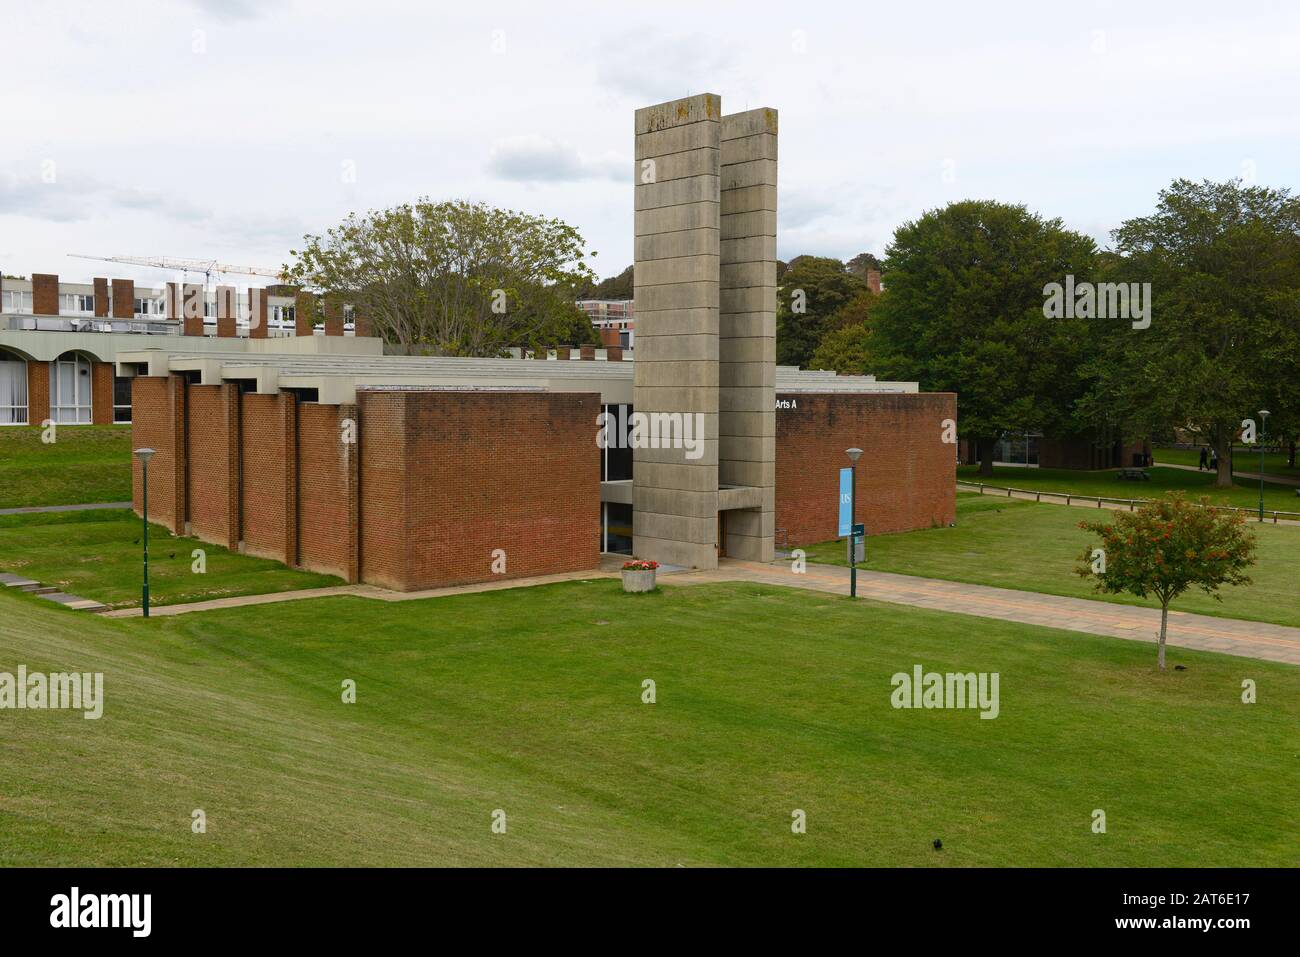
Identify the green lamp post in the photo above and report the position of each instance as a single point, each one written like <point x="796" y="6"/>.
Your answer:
<point x="144" y="455"/>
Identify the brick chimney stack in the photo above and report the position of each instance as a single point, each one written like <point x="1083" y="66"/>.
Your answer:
<point x="873" y="280"/>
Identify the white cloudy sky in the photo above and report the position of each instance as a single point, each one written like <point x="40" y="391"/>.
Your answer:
<point x="203" y="128"/>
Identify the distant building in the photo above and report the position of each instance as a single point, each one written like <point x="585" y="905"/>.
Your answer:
<point x="613" y="318"/>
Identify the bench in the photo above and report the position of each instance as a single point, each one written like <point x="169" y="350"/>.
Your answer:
<point x="1133" y="475"/>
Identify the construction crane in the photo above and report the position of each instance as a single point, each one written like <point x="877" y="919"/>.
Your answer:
<point x="205" y="266"/>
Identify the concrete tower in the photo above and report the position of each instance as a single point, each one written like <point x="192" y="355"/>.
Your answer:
<point x="705" y="287"/>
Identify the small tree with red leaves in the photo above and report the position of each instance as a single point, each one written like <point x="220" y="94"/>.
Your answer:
<point x="1166" y="547"/>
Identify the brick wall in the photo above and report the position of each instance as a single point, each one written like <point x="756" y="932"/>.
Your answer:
<point x="226" y="310"/>
<point x="257" y="314"/>
<point x="101" y="393"/>
<point x="304" y="312"/>
<point x="327" y="466"/>
<point x="45" y="294"/>
<point x="38" y="392"/>
<point x="905" y="477"/>
<point x="158" y="422"/>
<point x="269" y="484"/>
<point x="481" y="471"/>
<point x="123" y="299"/>
<point x="212" y="483"/>
<point x="101" y="298"/>
<point x="333" y="316"/>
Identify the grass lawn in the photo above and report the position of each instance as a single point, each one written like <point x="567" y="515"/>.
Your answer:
<point x="96" y="554"/>
<point x="1247" y="460"/>
<point x="529" y="701"/>
<point x="1013" y="543"/>
<point x="85" y="464"/>
<point x="1245" y="493"/>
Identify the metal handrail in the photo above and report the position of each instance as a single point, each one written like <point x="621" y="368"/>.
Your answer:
<point x="1132" y="503"/>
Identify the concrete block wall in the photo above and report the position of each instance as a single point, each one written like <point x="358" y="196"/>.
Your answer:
<point x="676" y="283"/>
<point x="747" y="326"/>
<point x="904" y="478"/>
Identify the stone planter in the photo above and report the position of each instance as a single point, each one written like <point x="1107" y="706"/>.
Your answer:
<point x="637" y="581"/>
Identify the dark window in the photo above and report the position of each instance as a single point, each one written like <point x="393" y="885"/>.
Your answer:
<point x="121" y="399"/>
<point x="618" y="528"/>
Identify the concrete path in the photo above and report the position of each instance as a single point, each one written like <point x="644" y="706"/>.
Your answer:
<point x="1231" y="636"/>
<point x="1203" y="632"/>
<point x="1253" y="476"/>
<point x="1090" y="501"/>
<point x="63" y="508"/>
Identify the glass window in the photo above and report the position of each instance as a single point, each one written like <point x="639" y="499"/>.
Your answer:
<point x="13" y="389"/>
<point x="616" y="457"/>
<point x="121" y="399"/>
<point x="70" y="390"/>
<point x="618" y="528"/>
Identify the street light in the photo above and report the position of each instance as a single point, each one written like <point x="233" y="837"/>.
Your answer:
<point x="144" y="455"/>
<point x="1263" y="426"/>
<point x="853" y="454"/>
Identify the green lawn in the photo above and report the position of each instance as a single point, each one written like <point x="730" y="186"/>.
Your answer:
<point x="1247" y="460"/>
<point x="1013" y="543"/>
<point x="1245" y="493"/>
<point x="529" y="701"/>
<point x="96" y="554"/>
<point x="85" y="464"/>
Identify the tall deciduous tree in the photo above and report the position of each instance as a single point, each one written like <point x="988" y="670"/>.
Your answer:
<point x="811" y="293"/>
<point x="1223" y="261"/>
<point x="453" y="278"/>
<point x="1166" y="547"/>
<point x="964" y="313"/>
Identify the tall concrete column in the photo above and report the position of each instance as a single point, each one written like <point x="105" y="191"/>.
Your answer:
<point x="675" y="497"/>
<point x="747" y="327"/>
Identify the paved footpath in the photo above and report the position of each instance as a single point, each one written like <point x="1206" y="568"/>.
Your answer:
<point x="1230" y="636"/>
<point x="1202" y="632"/>
<point x="62" y="508"/>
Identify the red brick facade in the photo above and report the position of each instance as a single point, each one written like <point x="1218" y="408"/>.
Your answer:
<point x="158" y="421"/>
<point x="212" y="481"/>
<point x="257" y="314"/>
<point x="38" y="392"/>
<point x="333" y="316"/>
<point x="101" y="393"/>
<point x="327" y="489"/>
<point x="304" y="313"/>
<point x="449" y="477"/>
<point x="123" y="299"/>
<point x="269" y="485"/>
<point x="101" y="298"/>
<point x="45" y="294"/>
<point x="905" y="475"/>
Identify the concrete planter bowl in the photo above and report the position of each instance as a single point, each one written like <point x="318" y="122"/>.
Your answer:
<point x="639" y="576"/>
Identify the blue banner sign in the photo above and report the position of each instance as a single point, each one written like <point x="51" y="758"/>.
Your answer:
<point x="846" y="501"/>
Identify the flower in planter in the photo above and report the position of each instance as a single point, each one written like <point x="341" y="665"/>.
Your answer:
<point x="640" y="566"/>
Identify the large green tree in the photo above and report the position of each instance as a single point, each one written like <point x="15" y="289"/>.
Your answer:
<point x="1223" y="263"/>
<point x="964" y="313"/>
<point x="453" y="278"/>
<point x="812" y="291"/>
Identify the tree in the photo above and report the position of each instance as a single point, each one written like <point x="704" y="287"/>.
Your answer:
<point x="452" y="278"/>
<point x="812" y="291"/>
<point x="1223" y="263"/>
<point x="846" y="351"/>
<point x="965" y="313"/>
<point x="860" y="263"/>
<point x="1166" y="547"/>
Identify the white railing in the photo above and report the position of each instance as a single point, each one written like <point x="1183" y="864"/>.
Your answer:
<point x="1073" y="498"/>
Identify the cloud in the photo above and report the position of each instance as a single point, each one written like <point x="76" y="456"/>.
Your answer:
<point x="71" y="198"/>
<point x="537" y="159"/>
<point x="236" y="9"/>
<point x="652" y="66"/>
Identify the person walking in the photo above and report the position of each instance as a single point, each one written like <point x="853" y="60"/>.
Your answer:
<point x="1205" y="458"/>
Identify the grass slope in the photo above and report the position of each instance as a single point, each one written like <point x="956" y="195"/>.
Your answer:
<point x="85" y="464"/>
<point x="1013" y="543"/>
<point x="97" y="554"/>
<point x="1244" y="494"/>
<point x="1247" y="459"/>
<point x="530" y="701"/>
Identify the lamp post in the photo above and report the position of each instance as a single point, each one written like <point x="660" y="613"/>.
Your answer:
<point x="1263" y="426"/>
<point x="853" y="454"/>
<point x="144" y="455"/>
